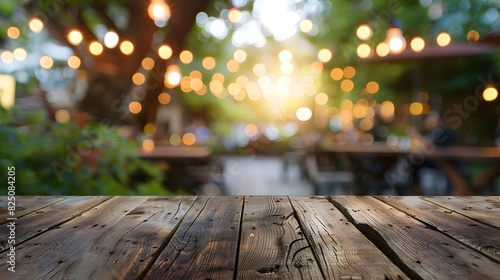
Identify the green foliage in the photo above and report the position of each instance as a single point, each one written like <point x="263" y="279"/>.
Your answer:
<point x="64" y="158"/>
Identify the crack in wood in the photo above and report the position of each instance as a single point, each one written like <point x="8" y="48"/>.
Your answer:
<point x="375" y="237"/>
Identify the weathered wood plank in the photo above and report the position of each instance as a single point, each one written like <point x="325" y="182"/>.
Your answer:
<point x="419" y="250"/>
<point x="272" y="245"/>
<point x="27" y="204"/>
<point x="131" y="245"/>
<point x="58" y="251"/>
<point x="48" y="217"/>
<point x="341" y="250"/>
<point x="485" y="209"/>
<point x="471" y="233"/>
<point x="205" y="244"/>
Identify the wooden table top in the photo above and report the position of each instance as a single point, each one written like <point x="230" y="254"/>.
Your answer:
<point x="253" y="237"/>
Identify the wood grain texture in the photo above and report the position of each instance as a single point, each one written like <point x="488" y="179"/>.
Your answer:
<point x="476" y="235"/>
<point x="272" y="245"/>
<point x="485" y="209"/>
<point x="205" y="244"/>
<point x="341" y="250"/>
<point x="50" y="216"/>
<point x="27" y="204"/>
<point x="419" y="250"/>
<point x="59" y="251"/>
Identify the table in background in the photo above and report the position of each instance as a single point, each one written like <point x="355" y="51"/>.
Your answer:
<point x="238" y="237"/>
<point x="387" y="156"/>
<point x="191" y="166"/>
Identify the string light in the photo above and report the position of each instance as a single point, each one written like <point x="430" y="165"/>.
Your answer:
<point x="75" y="37"/>
<point x="127" y="48"/>
<point x="36" y="25"/>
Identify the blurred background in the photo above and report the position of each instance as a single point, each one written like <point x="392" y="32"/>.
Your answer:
<point x="292" y="97"/>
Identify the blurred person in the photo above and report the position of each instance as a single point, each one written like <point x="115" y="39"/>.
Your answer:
<point x="441" y="135"/>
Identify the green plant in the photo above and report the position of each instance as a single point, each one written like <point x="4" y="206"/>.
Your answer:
<point x="69" y="159"/>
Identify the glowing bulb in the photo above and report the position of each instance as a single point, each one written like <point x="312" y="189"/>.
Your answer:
<point x="13" y="32"/>
<point x="303" y="114"/>
<point x="306" y="25"/>
<point x="127" y="47"/>
<point x="20" y="54"/>
<point x="111" y="39"/>
<point x="324" y="55"/>
<point x="234" y="15"/>
<point x="36" y="25"/>
<point x="74" y="62"/>
<point x="417" y="44"/>
<point x="46" y="62"/>
<point x="96" y="48"/>
<point x="490" y="94"/>
<point x="165" y="52"/>
<point x="75" y="37"/>
<point x="158" y="10"/>
<point x="135" y="107"/>
<point x="186" y="57"/>
<point x="364" y="32"/>
<point x="443" y="39"/>
<point x="285" y="56"/>
<point x="382" y="49"/>
<point x="364" y="51"/>
<point x="173" y="76"/>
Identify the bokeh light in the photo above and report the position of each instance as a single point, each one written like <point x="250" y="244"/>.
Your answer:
<point x="240" y="55"/>
<point x="165" y="52"/>
<point x="74" y="62"/>
<point x="364" y="32"/>
<point x="324" y="55"/>
<point x="127" y="48"/>
<point x="336" y="74"/>
<point x="259" y="69"/>
<point x="148" y="63"/>
<point x="306" y="25"/>
<point x="135" y="107"/>
<point x="149" y="129"/>
<point x="490" y="94"/>
<point x="443" y="39"/>
<point x="164" y="98"/>
<point x="285" y="56"/>
<point x="473" y="36"/>
<point x="148" y="145"/>
<point x="416" y="108"/>
<point x="186" y="57"/>
<point x="382" y="49"/>
<point x="347" y="85"/>
<point x="96" y="48"/>
<point x="372" y="87"/>
<point x="138" y="79"/>
<point x="36" y="25"/>
<point x="321" y="98"/>
<point x="208" y="63"/>
<point x="13" y="32"/>
<point x="363" y="51"/>
<point x="111" y="39"/>
<point x="349" y="72"/>
<point x="303" y="114"/>
<point x="75" y="37"/>
<point x="175" y="140"/>
<point x="234" y="15"/>
<point x="20" y="54"/>
<point x="62" y="116"/>
<point x="417" y="44"/>
<point x="252" y="131"/>
<point x="188" y="139"/>
<point x="46" y="62"/>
